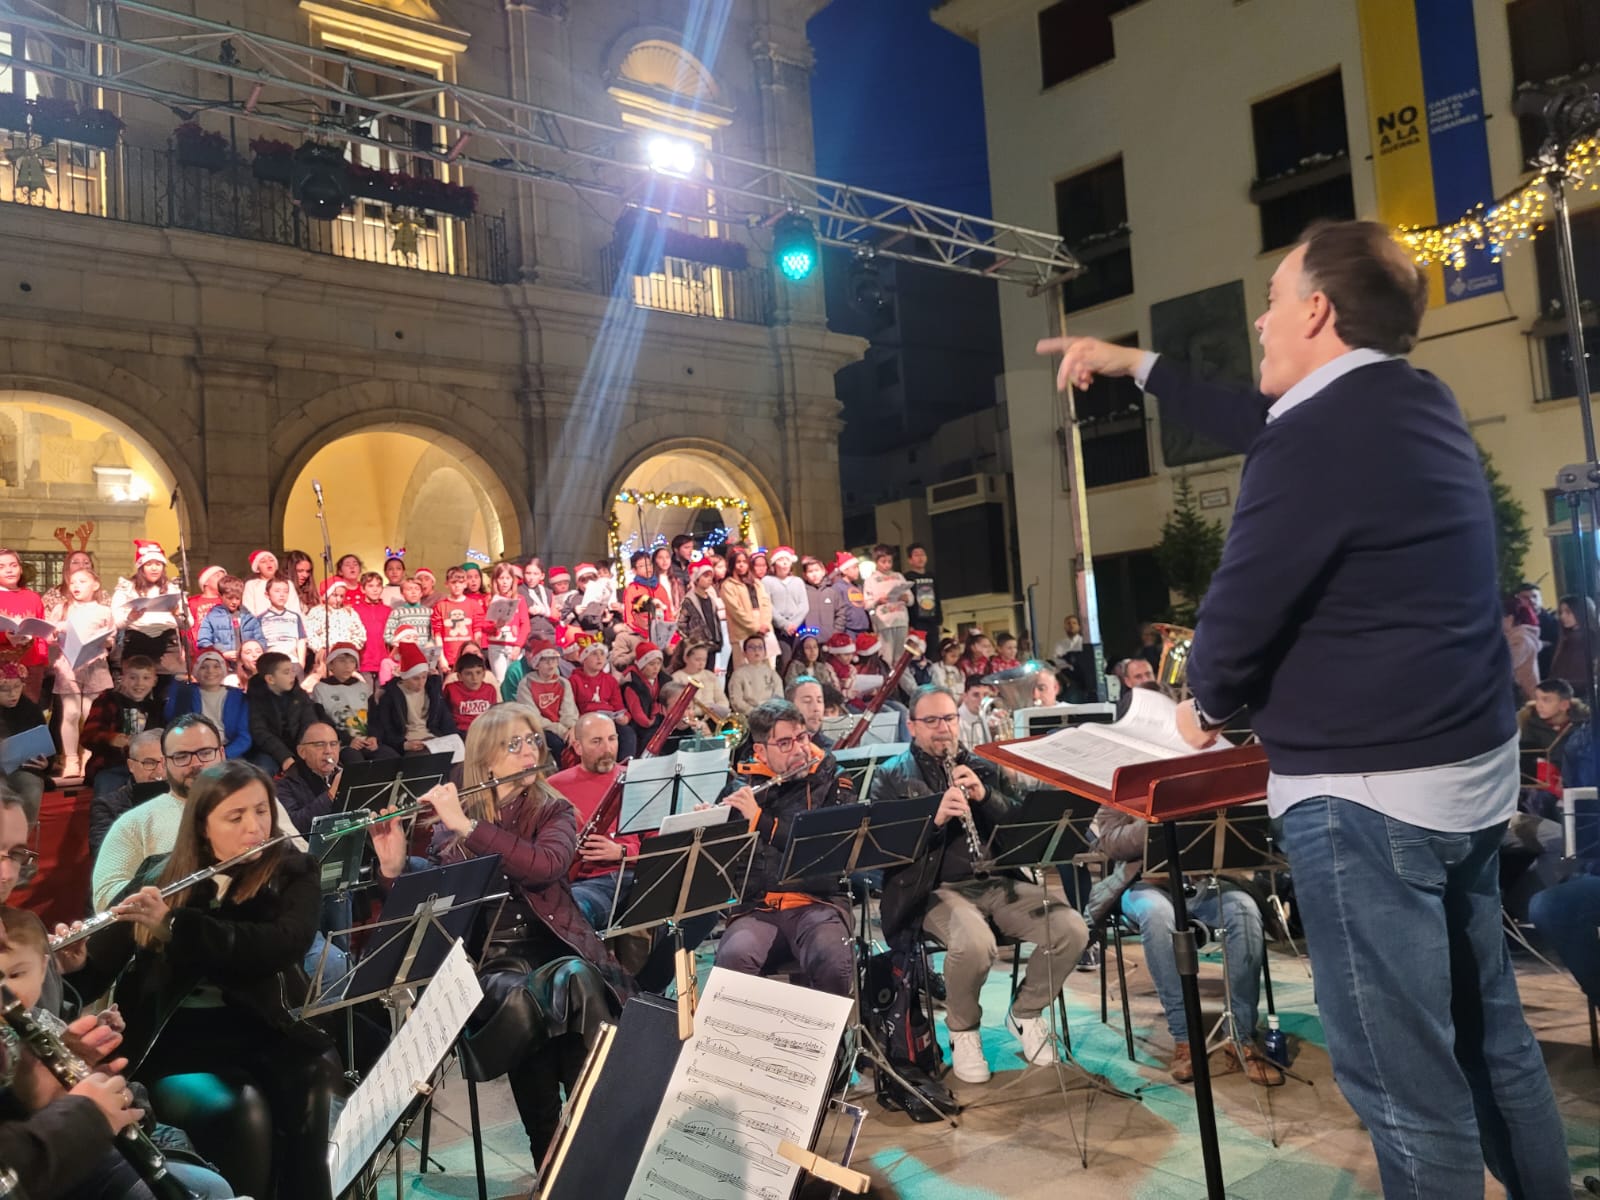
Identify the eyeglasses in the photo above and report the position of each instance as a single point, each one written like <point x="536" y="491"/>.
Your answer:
<point x="149" y="764"/>
<point x="531" y="740"/>
<point x="935" y="722"/>
<point x="333" y="745"/>
<point x="26" y="861"/>
<point x="784" y="745"/>
<point x="184" y="757"/>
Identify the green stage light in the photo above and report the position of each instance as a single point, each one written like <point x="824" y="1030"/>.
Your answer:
<point x="794" y="246"/>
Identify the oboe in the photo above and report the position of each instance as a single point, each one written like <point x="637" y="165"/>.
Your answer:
<point x="958" y="757"/>
<point x="70" y="1070"/>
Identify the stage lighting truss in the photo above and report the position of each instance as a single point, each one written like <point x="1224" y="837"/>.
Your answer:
<point x="287" y="85"/>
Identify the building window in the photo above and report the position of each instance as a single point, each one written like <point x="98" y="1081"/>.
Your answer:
<point x="1075" y="36"/>
<point x="1111" y="425"/>
<point x="1092" y="216"/>
<point x="1549" y="333"/>
<point x="22" y="83"/>
<point x="1551" y="40"/>
<point x="1302" y="160"/>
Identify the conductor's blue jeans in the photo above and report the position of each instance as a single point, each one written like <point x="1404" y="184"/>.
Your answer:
<point x="1419" y="1002"/>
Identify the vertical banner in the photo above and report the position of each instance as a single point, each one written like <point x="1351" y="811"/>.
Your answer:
<point x="1430" y="151"/>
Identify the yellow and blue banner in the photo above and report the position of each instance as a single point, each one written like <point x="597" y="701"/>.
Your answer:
<point x="1430" y="151"/>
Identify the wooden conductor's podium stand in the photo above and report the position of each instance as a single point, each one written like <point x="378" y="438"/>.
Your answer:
<point x="1161" y="793"/>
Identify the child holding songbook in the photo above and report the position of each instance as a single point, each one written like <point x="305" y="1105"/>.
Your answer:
<point x="78" y="658"/>
<point x="18" y="714"/>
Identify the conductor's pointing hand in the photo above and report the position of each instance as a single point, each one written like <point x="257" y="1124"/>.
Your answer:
<point x="1082" y="358"/>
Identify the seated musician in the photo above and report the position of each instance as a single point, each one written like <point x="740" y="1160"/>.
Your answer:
<point x="1121" y="838"/>
<point x="805" y="693"/>
<point x="204" y="980"/>
<point x="597" y="876"/>
<point x="808" y="923"/>
<point x="941" y="893"/>
<point x="534" y="830"/>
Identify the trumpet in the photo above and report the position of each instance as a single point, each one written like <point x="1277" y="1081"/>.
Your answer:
<point x="362" y="824"/>
<point x="100" y="920"/>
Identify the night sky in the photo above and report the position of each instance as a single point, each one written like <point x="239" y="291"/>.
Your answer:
<point x="898" y="104"/>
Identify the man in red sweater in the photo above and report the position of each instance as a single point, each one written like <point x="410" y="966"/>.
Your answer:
<point x="597" y="874"/>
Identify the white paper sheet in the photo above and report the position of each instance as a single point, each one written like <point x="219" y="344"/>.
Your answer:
<point x="654" y="787"/>
<point x="1148" y="732"/>
<point x="450" y="744"/>
<point x="26" y="626"/>
<point x="410" y="1059"/>
<point x="83" y="640"/>
<point x="755" y="1073"/>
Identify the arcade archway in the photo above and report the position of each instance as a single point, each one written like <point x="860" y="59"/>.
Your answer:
<point x="689" y="469"/>
<point x="400" y="487"/>
<point x="73" y="478"/>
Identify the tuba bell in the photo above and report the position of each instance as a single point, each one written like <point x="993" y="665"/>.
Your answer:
<point x="1172" y="672"/>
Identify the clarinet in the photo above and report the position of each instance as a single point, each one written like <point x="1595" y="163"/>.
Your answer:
<point x="959" y="758"/>
<point x="47" y="1046"/>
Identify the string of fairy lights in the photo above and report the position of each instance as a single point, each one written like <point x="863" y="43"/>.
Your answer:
<point x="692" y="500"/>
<point x="1498" y="226"/>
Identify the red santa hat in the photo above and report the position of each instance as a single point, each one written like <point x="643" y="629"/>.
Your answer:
<point x="867" y="644"/>
<point x="783" y="553"/>
<point x="561" y="573"/>
<point x="413" y="661"/>
<point x="257" y="555"/>
<point x="406" y="633"/>
<point x="147" y="552"/>
<point x="212" y="574"/>
<point x="644" y="652"/>
<point x="542" y="649"/>
<point x="585" y="569"/>
<point x="840" y="643"/>
<point x="209" y="653"/>
<point x="423" y="571"/>
<point x="333" y="583"/>
<point x="916" y="643"/>
<point x="344" y="648"/>
<point x="701" y="562"/>
<point x="844" y="559"/>
<point x="10" y="668"/>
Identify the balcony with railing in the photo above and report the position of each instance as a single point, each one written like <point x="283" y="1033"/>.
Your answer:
<point x="696" y="289"/>
<point x="152" y="187"/>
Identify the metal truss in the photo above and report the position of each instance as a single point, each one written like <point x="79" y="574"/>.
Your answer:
<point x="309" y="90"/>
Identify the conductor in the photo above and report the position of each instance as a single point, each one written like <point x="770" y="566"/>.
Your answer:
<point x="1362" y="544"/>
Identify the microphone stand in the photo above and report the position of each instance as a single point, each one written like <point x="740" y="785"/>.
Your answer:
<point x="327" y="565"/>
<point x="182" y="619"/>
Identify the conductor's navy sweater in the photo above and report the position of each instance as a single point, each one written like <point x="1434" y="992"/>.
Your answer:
<point x="1356" y="611"/>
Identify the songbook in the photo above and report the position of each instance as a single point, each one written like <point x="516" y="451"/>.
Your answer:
<point x="139" y="606"/>
<point x="84" y="639"/>
<point x="21" y="747"/>
<point x="26" y="626"/>
<point x="1139" y="764"/>
<point x="450" y="744"/>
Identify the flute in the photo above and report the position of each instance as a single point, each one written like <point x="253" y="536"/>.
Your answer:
<point x="412" y="810"/>
<point x="100" y="920"/>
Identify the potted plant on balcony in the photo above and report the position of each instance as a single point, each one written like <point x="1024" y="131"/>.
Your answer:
<point x="272" y="160"/>
<point x="197" y="147"/>
<point x="96" y="127"/>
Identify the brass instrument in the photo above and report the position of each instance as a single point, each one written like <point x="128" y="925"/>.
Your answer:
<point x="100" y="920"/>
<point x="1171" y="672"/>
<point x="1014" y="690"/>
<point x="361" y="824"/>
<point x="733" y="729"/>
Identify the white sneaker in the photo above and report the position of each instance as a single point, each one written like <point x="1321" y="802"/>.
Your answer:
<point x="1038" y="1043"/>
<point x="966" y="1057"/>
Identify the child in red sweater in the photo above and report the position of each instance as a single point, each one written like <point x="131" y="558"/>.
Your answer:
<point x="470" y="695"/>
<point x="458" y="618"/>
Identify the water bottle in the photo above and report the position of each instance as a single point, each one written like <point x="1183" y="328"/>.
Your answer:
<point x="1276" y="1043"/>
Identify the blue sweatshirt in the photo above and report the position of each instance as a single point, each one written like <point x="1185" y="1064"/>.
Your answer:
<point x="1356" y="610"/>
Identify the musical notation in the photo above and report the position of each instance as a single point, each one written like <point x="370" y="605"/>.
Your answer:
<point x="772" y="1066"/>
<point x="804" y="1020"/>
<point x="746" y="1089"/>
<point x="657" y="1179"/>
<point x="795" y="1043"/>
<point x="756" y="1154"/>
<point x="749" y="1119"/>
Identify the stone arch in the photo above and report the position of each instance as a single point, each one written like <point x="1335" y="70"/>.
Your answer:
<point x="690" y="464"/>
<point x="89" y="388"/>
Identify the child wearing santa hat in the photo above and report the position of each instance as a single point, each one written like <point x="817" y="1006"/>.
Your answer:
<point x="543" y="687"/>
<point x="145" y="609"/>
<point x="412" y="710"/>
<point x="641" y="691"/>
<point x="334" y="621"/>
<point x="345" y="694"/>
<point x="208" y="694"/>
<point x="263" y="566"/>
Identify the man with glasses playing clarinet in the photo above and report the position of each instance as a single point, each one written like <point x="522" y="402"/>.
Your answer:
<point x="945" y="894"/>
<point x="806" y="922"/>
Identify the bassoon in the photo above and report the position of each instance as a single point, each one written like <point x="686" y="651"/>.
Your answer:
<point x="611" y="802"/>
<point x="914" y="647"/>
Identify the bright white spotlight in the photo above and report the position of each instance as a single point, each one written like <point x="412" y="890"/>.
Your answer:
<point x="670" y="155"/>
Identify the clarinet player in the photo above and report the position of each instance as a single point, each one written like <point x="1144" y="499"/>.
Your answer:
<point x="944" y="894"/>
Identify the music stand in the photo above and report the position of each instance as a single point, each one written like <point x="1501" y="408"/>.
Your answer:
<point x="338" y="858"/>
<point x="390" y="782"/>
<point x="838" y="841"/>
<point x="683" y="875"/>
<point x="653" y="788"/>
<point x="1048" y="828"/>
<point x="1227" y="843"/>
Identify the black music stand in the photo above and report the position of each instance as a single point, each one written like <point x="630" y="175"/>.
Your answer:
<point x="1231" y="842"/>
<point x="390" y="782"/>
<point x="1049" y="828"/>
<point x="338" y="858"/>
<point x="683" y="875"/>
<point x="838" y="841"/>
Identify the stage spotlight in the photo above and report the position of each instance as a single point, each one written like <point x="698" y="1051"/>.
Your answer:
<point x="670" y="156"/>
<point x="867" y="293"/>
<point x="794" y="246"/>
<point x="320" y="180"/>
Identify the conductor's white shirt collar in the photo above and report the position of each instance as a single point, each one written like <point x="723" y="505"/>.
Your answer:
<point x="1323" y="377"/>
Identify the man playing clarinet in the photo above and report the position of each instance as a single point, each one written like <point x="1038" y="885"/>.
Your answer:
<point x="1361" y="545"/>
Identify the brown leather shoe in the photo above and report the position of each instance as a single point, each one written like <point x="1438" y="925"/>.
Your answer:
<point x="1259" y="1069"/>
<point x="1182" y="1063"/>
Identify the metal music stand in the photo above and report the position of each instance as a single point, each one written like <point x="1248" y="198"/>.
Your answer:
<point x="838" y="841"/>
<point x="1236" y="842"/>
<point x="1048" y="828"/>
<point x="668" y="785"/>
<point x="683" y="875"/>
<point x="390" y="782"/>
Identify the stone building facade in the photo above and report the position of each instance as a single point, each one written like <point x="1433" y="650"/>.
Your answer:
<point x="238" y="356"/>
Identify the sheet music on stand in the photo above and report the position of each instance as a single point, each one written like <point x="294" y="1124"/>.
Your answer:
<point x="407" y="1063"/>
<point x="390" y="781"/>
<point x="883" y="729"/>
<point x="653" y="788"/>
<point x="1235" y="842"/>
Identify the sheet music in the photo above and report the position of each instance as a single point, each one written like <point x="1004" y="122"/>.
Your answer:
<point x="755" y="1073"/>
<point x="1148" y="732"/>
<point x="450" y="744"/>
<point x="83" y="639"/>
<point x="139" y="606"/>
<point x="651" y="785"/>
<point x="864" y="685"/>
<point x="410" y="1059"/>
<point x="26" y="626"/>
<point x="20" y="747"/>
